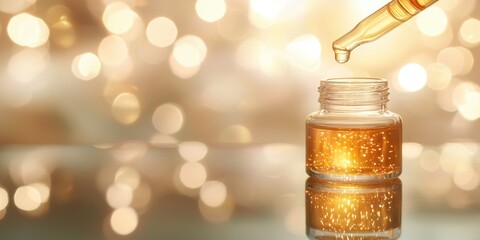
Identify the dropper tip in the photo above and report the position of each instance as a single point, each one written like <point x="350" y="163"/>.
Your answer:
<point x="342" y="56"/>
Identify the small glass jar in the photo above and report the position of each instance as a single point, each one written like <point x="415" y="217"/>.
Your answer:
<point x="353" y="137"/>
<point x="353" y="210"/>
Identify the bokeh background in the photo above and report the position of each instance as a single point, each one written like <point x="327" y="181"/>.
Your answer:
<point x="223" y="71"/>
<point x="195" y="110"/>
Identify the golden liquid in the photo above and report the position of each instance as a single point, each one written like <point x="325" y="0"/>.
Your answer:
<point x="354" y="152"/>
<point x="353" y="207"/>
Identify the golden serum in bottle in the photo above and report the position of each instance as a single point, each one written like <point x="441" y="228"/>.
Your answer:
<point x="353" y="137"/>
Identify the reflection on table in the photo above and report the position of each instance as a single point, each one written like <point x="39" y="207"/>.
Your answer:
<point x="353" y="210"/>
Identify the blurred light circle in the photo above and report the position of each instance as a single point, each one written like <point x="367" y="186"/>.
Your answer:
<point x="236" y="134"/>
<point x="86" y="66"/>
<point x="119" y="196"/>
<point x="126" y="108"/>
<point x="217" y="214"/>
<point x="43" y="189"/>
<point x="192" y="175"/>
<point x="432" y="21"/>
<point x="458" y="59"/>
<point x="127" y="177"/>
<point x="181" y="71"/>
<point x="27" y="198"/>
<point x="168" y="118"/>
<point x="189" y="51"/>
<point x="113" y="50"/>
<point x="124" y="220"/>
<point x="26" y="65"/>
<point x="470" y="31"/>
<point x="470" y="108"/>
<point x="411" y="150"/>
<point x="453" y="155"/>
<point x="248" y="52"/>
<point x="3" y="198"/>
<point x="264" y="13"/>
<point x="304" y="52"/>
<point x="161" y="32"/>
<point x="141" y="196"/>
<point x="118" y="18"/>
<point x="430" y="160"/>
<point x="213" y="193"/>
<point x="192" y="151"/>
<point x="412" y="77"/>
<point x="27" y="30"/>
<point x="466" y="178"/>
<point x="210" y="10"/>
<point x="12" y="7"/>
<point x="439" y="76"/>
<point x="461" y="91"/>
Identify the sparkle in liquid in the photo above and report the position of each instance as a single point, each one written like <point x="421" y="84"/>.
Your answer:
<point x="354" y="152"/>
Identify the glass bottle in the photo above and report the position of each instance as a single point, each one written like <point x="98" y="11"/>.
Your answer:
<point x="353" y="210"/>
<point x="353" y="137"/>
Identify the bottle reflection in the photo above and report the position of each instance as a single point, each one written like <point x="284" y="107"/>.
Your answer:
<point x="353" y="210"/>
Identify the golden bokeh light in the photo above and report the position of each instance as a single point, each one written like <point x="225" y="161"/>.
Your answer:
<point x="452" y="156"/>
<point x="161" y="32"/>
<point x="160" y="139"/>
<point x="218" y="214"/>
<point x="412" y="77"/>
<point x="236" y="134"/>
<point x="43" y="189"/>
<point x="27" y="30"/>
<point x="432" y="21"/>
<point x="470" y="32"/>
<point x="430" y="160"/>
<point x="118" y="18"/>
<point x="27" y="198"/>
<point x="27" y="64"/>
<point x="439" y="76"/>
<point x="466" y="178"/>
<point x="192" y="175"/>
<point x="470" y="107"/>
<point x="189" y="51"/>
<point x="119" y="196"/>
<point x="86" y="66"/>
<point x="213" y="193"/>
<point x="459" y="59"/>
<point x="411" y="150"/>
<point x="141" y="196"/>
<point x="124" y="221"/>
<point x="12" y="7"/>
<point x="3" y="199"/>
<point x="304" y="52"/>
<point x="181" y="71"/>
<point x="192" y="151"/>
<point x="127" y="177"/>
<point x="126" y="108"/>
<point x="264" y="13"/>
<point x="210" y="10"/>
<point x="168" y="118"/>
<point x="113" y="50"/>
<point x="461" y="91"/>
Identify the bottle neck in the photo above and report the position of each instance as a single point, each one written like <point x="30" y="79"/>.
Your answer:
<point x="353" y="95"/>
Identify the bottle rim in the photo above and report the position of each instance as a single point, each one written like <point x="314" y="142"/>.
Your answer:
<point x="355" y="80"/>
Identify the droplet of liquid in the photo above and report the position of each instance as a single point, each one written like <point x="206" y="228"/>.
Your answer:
<point x="342" y="56"/>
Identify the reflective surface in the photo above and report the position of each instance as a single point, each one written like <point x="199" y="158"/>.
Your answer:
<point x="198" y="191"/>
<point x="353" y="210"/>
